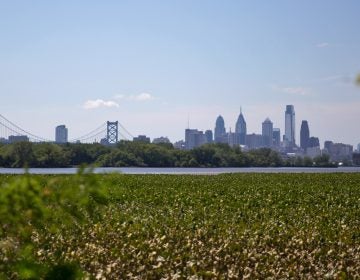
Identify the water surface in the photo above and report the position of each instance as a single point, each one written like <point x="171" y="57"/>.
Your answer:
<point x="193" y="171"/>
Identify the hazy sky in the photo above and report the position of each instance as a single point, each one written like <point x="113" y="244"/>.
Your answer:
<point x="152" y="64"/>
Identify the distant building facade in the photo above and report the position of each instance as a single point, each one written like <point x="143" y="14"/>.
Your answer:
<point x="290" y="126"/>
<point x="276" y="137"/>
<point x="18" y="138"/>
<point x="313" y="142"/>
<point x="161" y="140"/>
<point x="313" y="151"/>
<point x="61" y="134"/>
<point x="240" y="128"/>
<point x="254" y="141"/>
<point x="233" y="139"/>
<point x="209" y="136"/>
<point x="142" y="138"/>
<point x="180" y="145"/>
<point x="194" y="138"/>
<point x="267" y="133"/>
<point x="220" y="132"/>
<point x="304" y="135"/>
<point x="338" y="151"/>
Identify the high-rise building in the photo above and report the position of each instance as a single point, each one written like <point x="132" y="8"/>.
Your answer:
<point x="61" y="134"/>
<point x="276" y="137"/>
<point x="267" y="132"/>
<point x="209" y="136"/>
<point x="233" y="139"/>
<point x="328" y="145"/>
<point x="220" y="132"/>
<point x="304" y="135"/>
<point x="313" y="142"/>
<point x="240" y="128"/>
<point x="290" y="126"/>
<point x="254" y="141"/>
<point x="194" y="138"/>
<point x="358" y="148"/>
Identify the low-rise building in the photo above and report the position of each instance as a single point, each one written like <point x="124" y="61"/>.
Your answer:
<point x="161" y="140"/>
<point x="338" y="151"/>
<point x="18" y="138"/>
<point x="142" y="138"/>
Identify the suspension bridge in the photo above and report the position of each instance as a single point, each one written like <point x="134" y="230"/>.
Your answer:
<point x="106" y="133"/>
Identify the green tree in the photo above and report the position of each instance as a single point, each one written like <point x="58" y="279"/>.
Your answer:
<point x="308" y="162"/>
<point x="322" y="160"/>
<point x="51" y="155"/>
<point x="21" y="154"/>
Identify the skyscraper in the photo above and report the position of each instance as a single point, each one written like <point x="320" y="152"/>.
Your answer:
<point x="209" y="136"/>
<point x="313" y="142"/>
<point x="194" y="138"/>
<point x="240" y="128"/>
<point x="304" y="135"/>
<point x="61" y="134"/>
<point x="220" y="132"/>
<point x="276" y="137"/>
<point x="290" y="125"/>
<point x="267" y="132"/>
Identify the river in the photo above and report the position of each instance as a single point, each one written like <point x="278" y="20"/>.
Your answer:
<point x="179" y="171"/>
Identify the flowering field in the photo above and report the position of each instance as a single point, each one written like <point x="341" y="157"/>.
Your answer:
<point x="175" y="227"/>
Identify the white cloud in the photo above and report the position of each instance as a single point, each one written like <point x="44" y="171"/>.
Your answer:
<point x="142" y="97"/>
<point x="302" y="91"/>
<point x="322" y="45"/>
<point x="93" y="104"/>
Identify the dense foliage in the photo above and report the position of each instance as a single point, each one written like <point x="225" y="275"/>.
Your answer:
<point x="164" y="226"/>
<point x="137" y="154"/>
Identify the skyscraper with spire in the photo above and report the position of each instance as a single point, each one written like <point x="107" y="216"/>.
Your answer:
<point x="240" y="128"/>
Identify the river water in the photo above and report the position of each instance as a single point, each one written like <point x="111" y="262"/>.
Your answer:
<point x="193" y="171"/>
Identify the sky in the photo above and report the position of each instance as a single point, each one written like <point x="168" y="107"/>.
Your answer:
<point x="159" y="66"/>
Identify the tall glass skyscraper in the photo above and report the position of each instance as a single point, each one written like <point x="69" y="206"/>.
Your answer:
<point x="220" y="131"/>
<point x="290" y="125"/>
<point x="240" y="128"/>
<point x="267" y="132"/>
<point x="61" y="134"/>
<point x="304" y="135"/>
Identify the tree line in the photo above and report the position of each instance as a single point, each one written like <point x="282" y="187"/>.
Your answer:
<point x="138" y="154"/>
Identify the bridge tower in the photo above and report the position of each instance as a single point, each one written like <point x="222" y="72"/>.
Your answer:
<point x="112" y="132"/>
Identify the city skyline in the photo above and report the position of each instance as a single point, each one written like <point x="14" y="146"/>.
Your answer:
<point x="220" y="131"/>
<point x="152" y="66"/>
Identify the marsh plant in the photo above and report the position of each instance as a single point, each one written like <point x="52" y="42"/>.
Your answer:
<point x="176" y="227"/>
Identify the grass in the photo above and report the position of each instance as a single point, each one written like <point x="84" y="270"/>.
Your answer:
<point x="168" y="226"/>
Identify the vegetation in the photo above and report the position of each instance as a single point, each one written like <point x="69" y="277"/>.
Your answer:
<point x="138" y="154"/>
<point x="163" y="226"/>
